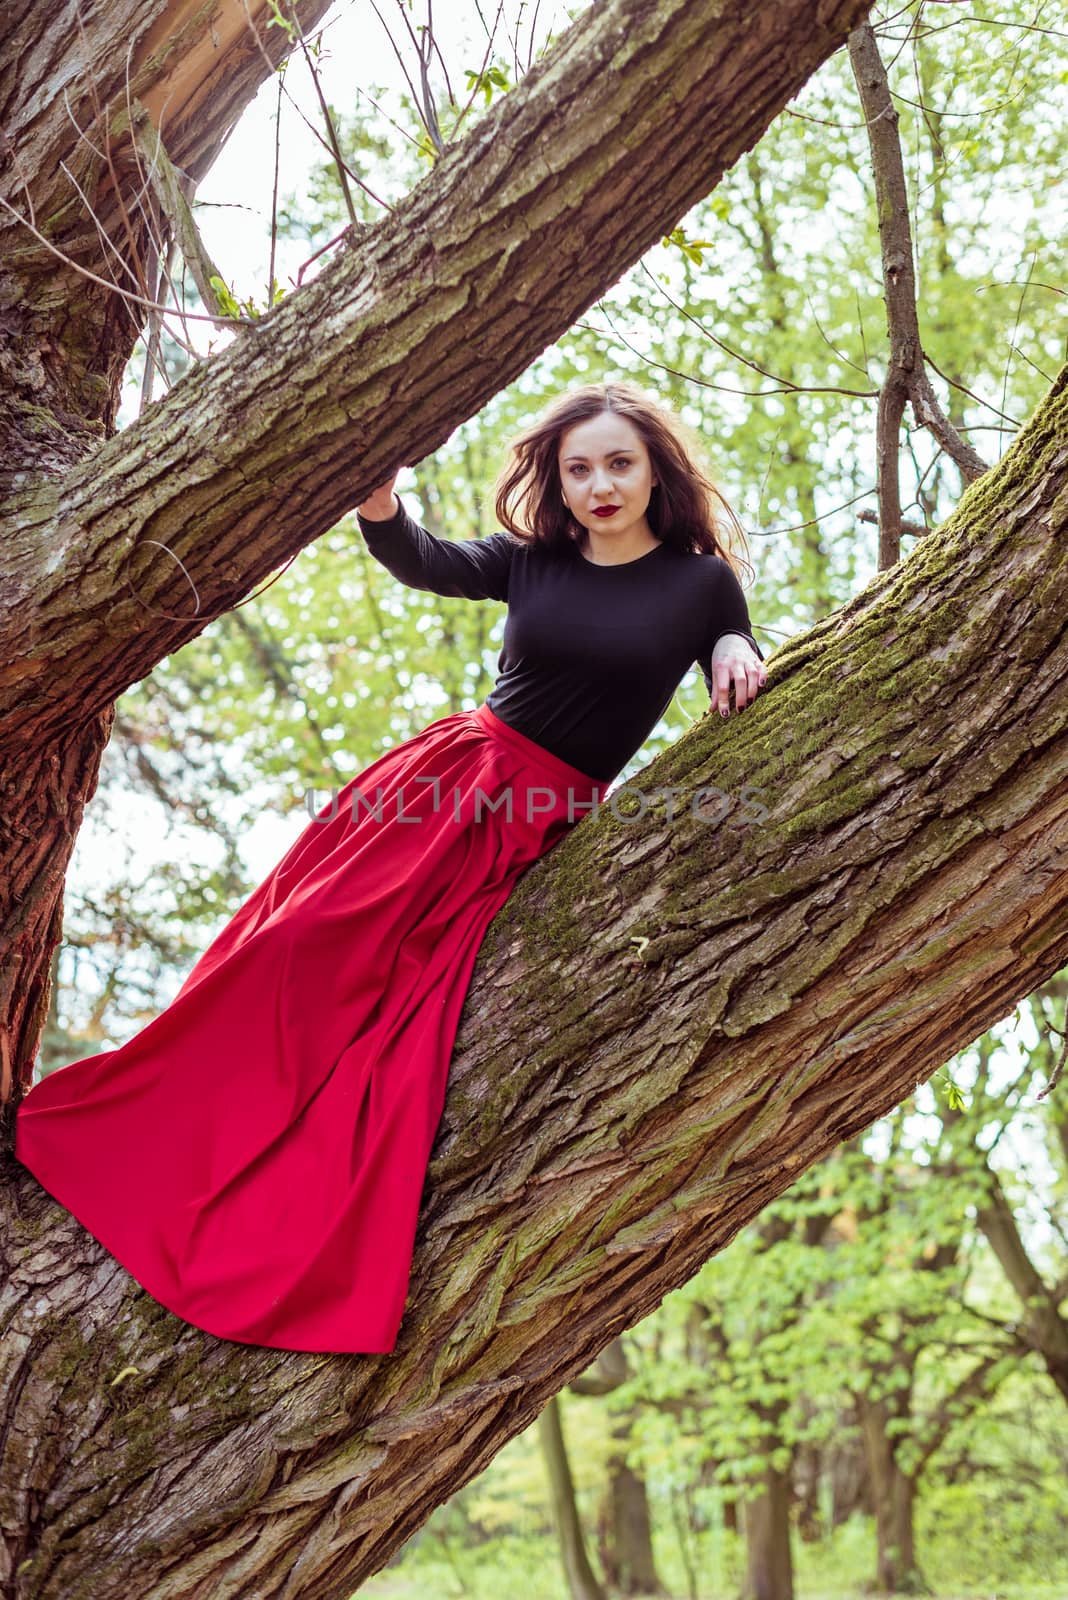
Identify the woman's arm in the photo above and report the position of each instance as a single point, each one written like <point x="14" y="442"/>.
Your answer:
<point x="735" y="658"/>
<point x="474" y="568"/>
<point x="733" y="655"/>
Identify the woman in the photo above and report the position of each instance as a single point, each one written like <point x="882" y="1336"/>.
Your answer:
<point x="255" y="1155"/>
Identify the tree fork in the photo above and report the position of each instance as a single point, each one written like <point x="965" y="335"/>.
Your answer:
<point x="194" y="68"/>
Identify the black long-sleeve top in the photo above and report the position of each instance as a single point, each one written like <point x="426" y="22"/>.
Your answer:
<point x="592" y="655"/>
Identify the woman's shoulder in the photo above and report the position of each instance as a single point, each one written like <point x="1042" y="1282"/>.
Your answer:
<point x="704" y="565"/>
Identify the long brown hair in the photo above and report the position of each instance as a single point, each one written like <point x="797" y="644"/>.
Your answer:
<point x="686" y="508"/>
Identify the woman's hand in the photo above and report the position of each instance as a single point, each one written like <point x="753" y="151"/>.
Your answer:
<point x="381" y="504"/>
<point x="734" y="658"/>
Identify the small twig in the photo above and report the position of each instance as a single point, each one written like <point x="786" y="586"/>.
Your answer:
<point x="168" y="185"/>
<point x="108" y="245"/>
<point x="101" y="117"/>
<point x="1059" y="1065"/>
<point x="260" y="46"/>
<point x="846" y="361"/>
<point x="513" y="40"/>
<point x="135" y="299"/>
<point x="1011" y="283"/>
<point x="273" y="67"/>
<point x="915" y="528"/>
<point x="397" y="126"/>
<point x="437" y="50"/>
<point x="196" y="614"/>
<point x="991" y="22"/>
<point x="150" y="342"/>
<point x="533" y="30"/>
<point x="154" y="358"/>
<point x="321" y="251"/>
<point x="426" y="107"/>
<point x="783" y="385"/>
<point x="770" y="453"/>
<point x="396" y="52"/>
<point x="331" y="131"/>
<point x="354" y="176"/>
<point x="122" y="261"/>
<point x="105" y="238"/>
<point x="906" y="380"/>
<point x="988" y="405"/>
<point x="476" y="85"/>
<point x="809" y="522"/>
<point x="164" y="250"/>
<point x="1015" y="330"/>
<point x="1047" y="377"/>
<point x="274" y="191"/>
<point x="988" y="111"/>
<point x="430" y="111"/>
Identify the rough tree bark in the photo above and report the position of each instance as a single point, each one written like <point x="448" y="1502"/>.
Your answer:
<point x="670" y="1019"/>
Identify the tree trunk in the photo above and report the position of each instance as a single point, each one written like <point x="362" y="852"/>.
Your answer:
<point x="65" y="338"/>
<point x="806" y="1476"/>
<point x="624" y="1526"/>
<point x="847" y="1464"/>
<point x="896" y="1569"/>
<point x="628" y="1560"/>
<point x="581" y="1582"/>
<point x="43" y="794"/>
<point x="769" y="1569"/>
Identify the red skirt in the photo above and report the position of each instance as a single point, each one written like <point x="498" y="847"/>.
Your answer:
<point x="255" y="1156"/>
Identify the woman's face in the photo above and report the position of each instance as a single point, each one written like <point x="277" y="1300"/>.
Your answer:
<point x="604" y="463"/>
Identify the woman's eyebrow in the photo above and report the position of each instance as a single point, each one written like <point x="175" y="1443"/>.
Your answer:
<point x="625" y="450"/>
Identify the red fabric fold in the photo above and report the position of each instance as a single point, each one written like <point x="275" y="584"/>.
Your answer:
<point x="255" y="1156"/>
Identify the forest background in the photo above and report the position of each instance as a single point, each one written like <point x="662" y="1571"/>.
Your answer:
<point x="879" y="1365"/>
